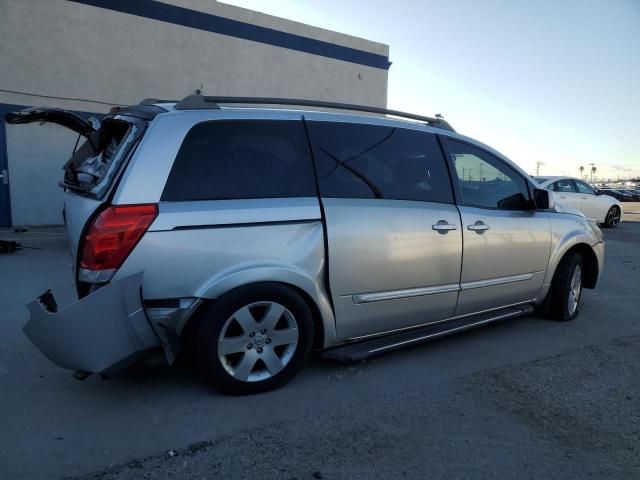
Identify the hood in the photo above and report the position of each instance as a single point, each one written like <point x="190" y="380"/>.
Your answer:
<point x="564" y="208"/>
<point x="64" y="118"/>
<point x="610" y="199"/>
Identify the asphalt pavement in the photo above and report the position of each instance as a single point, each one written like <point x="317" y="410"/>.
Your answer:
<point x="528" y="398"/>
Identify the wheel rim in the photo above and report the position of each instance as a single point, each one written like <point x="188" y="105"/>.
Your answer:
<point x="575" y="289"/>
<point x="613" y="217"/>
<point x="258" y="341"/>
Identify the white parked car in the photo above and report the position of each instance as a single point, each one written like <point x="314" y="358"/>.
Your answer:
<point x="578" y="194"/>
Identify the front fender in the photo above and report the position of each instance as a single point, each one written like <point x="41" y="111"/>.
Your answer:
<point x="568" y="233"/>
<point x="228" y="280"/>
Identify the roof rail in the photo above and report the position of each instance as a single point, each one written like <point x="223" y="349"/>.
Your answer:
<point x="195" y="102"/>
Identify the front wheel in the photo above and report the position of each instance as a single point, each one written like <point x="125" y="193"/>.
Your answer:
<point x="254" y="339"/>
<point x="613" y="217"/>
<point x="566" y="288"/>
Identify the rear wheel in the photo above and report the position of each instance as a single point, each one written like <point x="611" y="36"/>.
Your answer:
<point x="254" y="339"/>
<point x="566" y="288"/>
<point x="613" y="217"/>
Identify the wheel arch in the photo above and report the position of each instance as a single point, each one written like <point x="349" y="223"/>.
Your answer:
<point x="573" y="240"/>
<point x="318" y="322"/>
<point x="590" y="264"/>
<point x="616" y="204"/>
<point x="311" y="291"/>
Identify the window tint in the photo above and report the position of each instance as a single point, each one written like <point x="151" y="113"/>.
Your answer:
<point x="242" y="159"/>
<point x="372" y="161"/>
<point x="584" y="188"/>
<point x="486" y="181"/>
<point x="563" y="186"/>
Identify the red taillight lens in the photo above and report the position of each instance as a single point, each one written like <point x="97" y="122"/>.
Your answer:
<point x="113" y="234"/>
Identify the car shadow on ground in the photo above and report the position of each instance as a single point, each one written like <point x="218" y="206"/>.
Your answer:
<point x="185" y="374"/>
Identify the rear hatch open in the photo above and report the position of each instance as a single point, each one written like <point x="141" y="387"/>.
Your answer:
<point x="102" y="150"/>
<point x="107" y="328"/>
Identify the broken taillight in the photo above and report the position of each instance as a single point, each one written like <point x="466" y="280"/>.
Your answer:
<point x="114" y="233"/>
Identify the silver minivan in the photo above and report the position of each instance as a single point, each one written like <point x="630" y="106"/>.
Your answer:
<point x="248" y="237"/>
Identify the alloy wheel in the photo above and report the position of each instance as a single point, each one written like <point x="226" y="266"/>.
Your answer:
<point x="575" y="289"/>
<point x="613" y="217"/>
<point x="258" y="341"/>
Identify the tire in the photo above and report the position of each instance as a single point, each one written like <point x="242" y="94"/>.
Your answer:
<point x="563" y="301"/>
<point x="612" y="219"/>
<point x="253" y="339"/>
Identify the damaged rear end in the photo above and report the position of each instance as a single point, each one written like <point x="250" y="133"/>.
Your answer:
<point x="102" y="333"/>
<point x="107" y="328"/>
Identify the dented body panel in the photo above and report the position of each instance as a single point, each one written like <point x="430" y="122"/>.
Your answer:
<point x="228" y="244"/>
<point x="102" y="333"/>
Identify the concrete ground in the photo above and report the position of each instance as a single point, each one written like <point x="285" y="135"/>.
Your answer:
<point x="528" y="398"/>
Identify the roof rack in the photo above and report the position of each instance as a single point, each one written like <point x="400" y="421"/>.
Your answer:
<point x="196" y="102"/>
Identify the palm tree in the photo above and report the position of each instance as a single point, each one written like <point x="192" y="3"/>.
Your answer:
<point x="581" y="170"/>
<point x="593" y="172"/>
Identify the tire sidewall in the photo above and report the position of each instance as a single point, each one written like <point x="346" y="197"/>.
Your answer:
<point x="562" y="285"/>
<point x="213" y="316"/>
<point x="606" y="218"/>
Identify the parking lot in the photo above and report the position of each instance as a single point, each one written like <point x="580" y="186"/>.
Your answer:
<point x="528" y="398"/>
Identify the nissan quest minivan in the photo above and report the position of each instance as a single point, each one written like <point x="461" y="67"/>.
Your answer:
<point x="249" y="237"/>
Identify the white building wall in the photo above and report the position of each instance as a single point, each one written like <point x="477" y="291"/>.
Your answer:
<point x="101" y="57"/>
<point x="36" y="155"/>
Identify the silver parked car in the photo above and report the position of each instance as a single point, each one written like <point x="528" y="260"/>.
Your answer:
<point x="250" y="236"/>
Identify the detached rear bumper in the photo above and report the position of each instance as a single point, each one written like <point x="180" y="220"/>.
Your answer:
<point x="101" y="333"/>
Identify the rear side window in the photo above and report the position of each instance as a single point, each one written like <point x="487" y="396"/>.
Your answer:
<point x="372" y="161"/>
<point x="563" y="186"/>
<point x="584" y="188"/>
<point x="234" y="159"/>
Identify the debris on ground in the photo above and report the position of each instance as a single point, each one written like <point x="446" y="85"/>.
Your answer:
<point x="9" y="246"/>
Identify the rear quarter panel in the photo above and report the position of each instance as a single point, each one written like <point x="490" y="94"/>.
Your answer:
<point x="205" y="249"/>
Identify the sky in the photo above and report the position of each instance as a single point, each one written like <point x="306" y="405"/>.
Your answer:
<point x="556" y="82"/>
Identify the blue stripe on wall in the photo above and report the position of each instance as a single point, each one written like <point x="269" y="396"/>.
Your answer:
<point x="234" y="28"/>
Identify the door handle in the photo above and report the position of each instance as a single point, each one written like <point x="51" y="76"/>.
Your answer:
<point x="478" y="227"/>
<point x="563" y="196"/>
<point x="443" y="227"/>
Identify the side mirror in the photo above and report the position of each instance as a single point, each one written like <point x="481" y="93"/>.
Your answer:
<point x="545" y="199"/>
